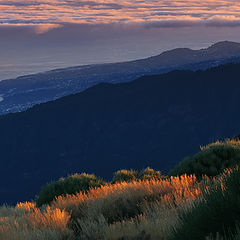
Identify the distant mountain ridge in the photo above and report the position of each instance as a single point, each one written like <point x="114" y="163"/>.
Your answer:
<point x="153" y="121"/>
<point x="21" y="93"/>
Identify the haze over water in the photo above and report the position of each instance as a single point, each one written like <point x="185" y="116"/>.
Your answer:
<point x="40" y="35"/>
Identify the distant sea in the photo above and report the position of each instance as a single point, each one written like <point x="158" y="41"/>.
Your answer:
<point x="29" y="61"/>
<point x="10" y="71"/>
<point x="20" y="64"/>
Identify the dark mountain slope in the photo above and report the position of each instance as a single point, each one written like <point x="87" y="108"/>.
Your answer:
<point x="155" y="121"/>
<point x="24" y="92"/>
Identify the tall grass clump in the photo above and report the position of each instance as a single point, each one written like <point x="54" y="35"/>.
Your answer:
<point x="211" y="160"/>
<point x="217" y="212"/>
<point x="26" y="222"/>
<point x="142" y="209"/>
<point x="70" y="185"/>
<point x="128" y="209"/>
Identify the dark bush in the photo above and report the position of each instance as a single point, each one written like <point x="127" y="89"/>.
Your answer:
<point x="217" y="212"/>
<point x="211" y="160"/>
<point x="130" y="175"/>
<point x="142" y="236"/>
<point x="124" y="176"/>
<point x="237" y="237"/>
<point x="149" y="173"/>
<point x="70" y="185"/>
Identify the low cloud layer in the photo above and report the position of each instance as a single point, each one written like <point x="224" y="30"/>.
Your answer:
<point x="49" y="14"/>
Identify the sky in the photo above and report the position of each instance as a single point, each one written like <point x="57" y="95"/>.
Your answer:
<point x="39" y="35"/>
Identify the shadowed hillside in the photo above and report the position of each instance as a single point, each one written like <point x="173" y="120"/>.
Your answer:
<point x="153" y="121"/>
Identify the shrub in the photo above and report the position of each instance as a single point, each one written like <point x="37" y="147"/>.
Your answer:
<point x="211" y="160"/>
<point x="130" y="175"/>
<point x="124" y="176"/>
<point x="70" y="185"/>
<point x="233" y="236"/>
<point x="217" y="213"/>
<point x="149" y="173"/>
<point x="237" y="237"/>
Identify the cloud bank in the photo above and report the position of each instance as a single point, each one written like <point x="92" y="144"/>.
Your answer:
<point x="47" y="15"/>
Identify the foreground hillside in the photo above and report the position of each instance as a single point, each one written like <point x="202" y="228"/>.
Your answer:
<point x="153" y="121"/>
<point x="94" y="214"/>
<point x="154" y="207"/>
<point x="24" y="92"/>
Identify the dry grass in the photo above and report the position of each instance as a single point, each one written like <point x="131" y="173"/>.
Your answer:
<point x="228" y="142"/>
<point x="180" y="188"/>
<point x="25" y="221"/>
<point x="134" y="210"/>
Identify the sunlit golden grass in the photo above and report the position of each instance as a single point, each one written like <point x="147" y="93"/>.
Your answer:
<point x="128" y="209"/>
<point x="181" y="188"/>
<point x="227" y="142"/>
<point x="25" y="221"/>
<point x="133" y="210"/>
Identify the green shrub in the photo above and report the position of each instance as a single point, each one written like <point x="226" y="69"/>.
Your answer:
<point x="130" y="175"/>
<point x="124" y="176"/>
<point x="237" y="237"/>
<point x="70" y="185"/>
<point x="217" y="213"/>
<point x="149" y="173"/>
<point x="211" y="160"/>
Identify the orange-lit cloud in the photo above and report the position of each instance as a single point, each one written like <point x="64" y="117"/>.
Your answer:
<point x="152" y="13"/>
<point x="43" y="28"/>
